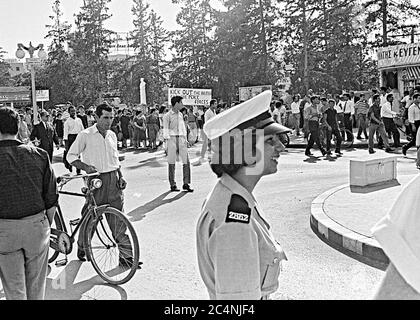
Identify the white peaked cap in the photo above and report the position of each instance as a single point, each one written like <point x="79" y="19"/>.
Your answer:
<point x="253" y="113"/>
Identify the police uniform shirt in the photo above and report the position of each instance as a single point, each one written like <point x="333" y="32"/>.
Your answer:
<point x="238" y="257"/>
<point x="398" y="233"/>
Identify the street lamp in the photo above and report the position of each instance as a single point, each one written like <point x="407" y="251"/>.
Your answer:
<point x="42" y="55"/>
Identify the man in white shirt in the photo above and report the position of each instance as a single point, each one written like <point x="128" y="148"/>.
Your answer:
<point x="66" y="114"/>
<point x="398" y="235"/>
<point x="296" y="113"/>
<point x="72" y="127"/>
<point x="97" y="147"/>
<point x="414" y="122"/>
<point x="175" y="133"/>
<point x="387" y="115"/>
<point x="383" y="95"/>
<point x="210" y="113"/>
<point x="347" y="107"/>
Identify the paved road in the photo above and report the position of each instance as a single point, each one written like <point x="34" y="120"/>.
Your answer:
<point x="165" y="223"/>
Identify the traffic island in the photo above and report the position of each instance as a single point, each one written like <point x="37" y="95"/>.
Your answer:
<point x="343" y="216"/>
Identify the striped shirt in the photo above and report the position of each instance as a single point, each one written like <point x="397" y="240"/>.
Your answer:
<point x="361" y="107"/>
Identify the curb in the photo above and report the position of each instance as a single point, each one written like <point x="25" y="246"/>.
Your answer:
<point x="356" y="245"/>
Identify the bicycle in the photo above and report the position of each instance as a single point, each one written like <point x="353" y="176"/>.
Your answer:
<point x="103" y="244"/>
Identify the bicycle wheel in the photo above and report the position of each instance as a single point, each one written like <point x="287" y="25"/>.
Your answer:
<point x="56" y="228"/>
<point x="346" y="143"/>
<point x="111" y="239"/>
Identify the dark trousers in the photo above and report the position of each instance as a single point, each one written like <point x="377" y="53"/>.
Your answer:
<point x="390" y="127"/>
<point x="362" y="123"/>
<point x="70" y="140"/>
<point x="337" y="135"/>
<point x="111" y="194"/>
<point x="412" y="143"/>
<point x="314" y="136"/>
<point x="348" y="125"/>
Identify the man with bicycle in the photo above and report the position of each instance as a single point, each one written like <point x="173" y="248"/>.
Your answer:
<point x="97" y="146"/>
<point x="28" y="201"/>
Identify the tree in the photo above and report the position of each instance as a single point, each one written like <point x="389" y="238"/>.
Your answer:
<point x="89" y="44"/>
<point x="327" y="43"/>
<point x="5" y="79"/>
<point x="192" y="62"/>
<point x="385" y="19"/>
<point x="57" y="73"/>
<point x="149" y="40"/>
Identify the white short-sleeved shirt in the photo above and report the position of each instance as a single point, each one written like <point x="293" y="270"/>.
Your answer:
<point x="95" y="150"/>
<point x="399" y="233"/>
<point x="236" y="259"/>
<point x="295" y="107"/>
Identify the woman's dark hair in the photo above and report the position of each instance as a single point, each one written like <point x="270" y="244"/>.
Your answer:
<point x="230" y="163"/>
<point x="103" y="106"/>
<point x="9" y="120"/>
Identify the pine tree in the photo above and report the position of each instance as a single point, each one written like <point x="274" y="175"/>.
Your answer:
<point x="193" y="46"/>
<point x="149" y="41"/>
<point x="57" y="73"/>
<point x="90" y="46"/>
<point x="386" y="20"/>
<point x="247" y="45"/>
<point x="326" y="42"/>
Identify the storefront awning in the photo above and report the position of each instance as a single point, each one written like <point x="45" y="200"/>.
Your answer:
<point x="411" y="73"/>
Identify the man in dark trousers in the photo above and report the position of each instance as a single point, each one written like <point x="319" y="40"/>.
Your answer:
<point x="72" y="127"/>
<point x="28" y="201"/>
<point x="46" y="135"/>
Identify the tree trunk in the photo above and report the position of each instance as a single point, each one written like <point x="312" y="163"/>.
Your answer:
<point x="263" y="39"/>
<point x="384" y="22"/>
<point x="305" y="48"/>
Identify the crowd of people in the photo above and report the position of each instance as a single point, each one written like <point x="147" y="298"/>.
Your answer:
<point x="375" y="114"/>
<point x="230" y="222"/>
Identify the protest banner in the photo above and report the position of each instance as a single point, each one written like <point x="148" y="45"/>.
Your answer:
<point x="191" y="96"/>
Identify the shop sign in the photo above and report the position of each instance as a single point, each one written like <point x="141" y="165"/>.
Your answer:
<point x="14" y="96"/>
<point x="246" y="93"/>
<point x="398" y="56"/>
<point x="42" y="95"/>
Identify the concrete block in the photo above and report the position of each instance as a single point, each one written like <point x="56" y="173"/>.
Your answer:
<point x="373" y="171"/>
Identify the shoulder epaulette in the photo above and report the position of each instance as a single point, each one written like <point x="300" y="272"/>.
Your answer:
<point x="238" y="210"/>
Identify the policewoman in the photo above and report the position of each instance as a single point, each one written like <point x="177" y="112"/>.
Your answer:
<point x="238" y="256"/>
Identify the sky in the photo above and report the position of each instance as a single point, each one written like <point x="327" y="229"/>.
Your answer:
<point x="22" y="21"/>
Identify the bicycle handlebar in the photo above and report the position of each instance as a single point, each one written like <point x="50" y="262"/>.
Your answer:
<point x="65" y="178"/>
